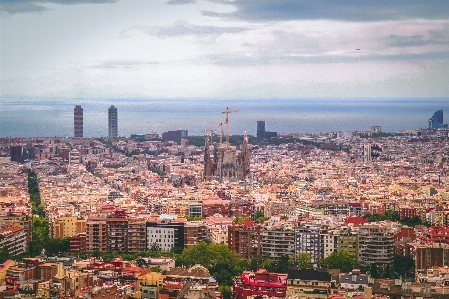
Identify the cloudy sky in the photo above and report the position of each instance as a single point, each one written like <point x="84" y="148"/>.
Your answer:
<point x="224" y="48"/>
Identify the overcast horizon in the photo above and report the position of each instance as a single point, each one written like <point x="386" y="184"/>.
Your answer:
<point x="223" y="49"/>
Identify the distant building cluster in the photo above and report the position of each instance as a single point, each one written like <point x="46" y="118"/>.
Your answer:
<point x="314" y="196"/>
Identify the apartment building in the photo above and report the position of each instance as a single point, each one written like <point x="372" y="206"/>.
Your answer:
<point x="165" y="233"/>
<point x="348" y="241"/>
<point x="278" y="239"/>
<point x="194" y="232"/>
<point x="97" y="234"/>
<point x="376" y="245"/>
<point x="308" y="239"/>
<point x="137" y="237"/>
<point x="14" y="239"/>
<point x="245" y="239"/>
<point x="67" y="226"/>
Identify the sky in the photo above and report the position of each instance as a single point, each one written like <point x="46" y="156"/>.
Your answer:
<point x="224" y="48"/>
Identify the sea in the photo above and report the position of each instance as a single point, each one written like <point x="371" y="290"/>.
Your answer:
<point x="28" y="117"/>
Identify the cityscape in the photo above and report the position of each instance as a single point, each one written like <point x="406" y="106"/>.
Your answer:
<point x="357" y="214"/>
<point x="224" y="149"/>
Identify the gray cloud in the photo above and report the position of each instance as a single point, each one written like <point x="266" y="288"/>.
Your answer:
<point x="182" y="28"/>
<point x="351" y="10"/>
<point x="36" y="6"/>
<point x="180" y="2"/>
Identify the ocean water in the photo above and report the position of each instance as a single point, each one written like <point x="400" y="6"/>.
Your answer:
<point x="54" y="117"/>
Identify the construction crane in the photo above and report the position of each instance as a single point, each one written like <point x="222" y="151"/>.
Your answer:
<point x="227" y="112"/>
<point x="220" y="124"/>
<point x="211" y="133"/>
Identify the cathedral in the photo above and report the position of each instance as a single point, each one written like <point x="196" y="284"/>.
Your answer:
<point x="226" y="163"/>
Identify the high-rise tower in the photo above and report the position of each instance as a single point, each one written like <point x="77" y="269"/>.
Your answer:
<point x="78" y="121"/>
<point x="112" y="122"/>
<point x="437" y="120"/>
<point x="260" y="129"/>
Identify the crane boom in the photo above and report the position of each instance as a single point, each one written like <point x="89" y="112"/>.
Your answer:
<point x="227" y="112"/>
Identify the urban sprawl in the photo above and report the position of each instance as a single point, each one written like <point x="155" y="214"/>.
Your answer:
<point x="361" y="214"/>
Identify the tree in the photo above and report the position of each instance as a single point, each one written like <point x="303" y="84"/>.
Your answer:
<point x="282" y="264"/>
<point x="225" y="291"/>
<point x="155" y="247"/>
<point x="304" y="260"/>
<point x="339" y="260"/>
<point x="4" y="255"/>
<point x="208" y="255"/>
<point x="404" y="266"/>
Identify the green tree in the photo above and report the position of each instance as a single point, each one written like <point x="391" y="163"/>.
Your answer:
<point x="404" y="266"/>
<point x="4" y="255"/>
<point x="339" y="260"/>
<point x="208" y="255"/>
<point x="282" y="264"/>
<point x="225" y="291"/>
<point x="374" y="271"/>
<point x="304" y="260"/>
<point x="217" y="258"/>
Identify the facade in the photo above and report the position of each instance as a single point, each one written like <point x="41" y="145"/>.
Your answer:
<point x="308" y="240"/>
<point x="376" y="245"/>
<point x="78" y="243"/>
<point x="258" y="284"/>
<point x="244" y="239"/>
<point x="19" y="219"/>
<point x="112" y="122"/>
<point x="175" y="135"/>
<point x="437" y="120"/>
<point x="18" y="153"/>
<point x="329" y="241"/>
<point x="260" y="129"/>
<point x="278" y="240"/>
<point x="309" y="283"/>
<point x="96" y="234"/>
<point x="14" y="238"/>
<point x="230" y="165"/>
<point x="67" y="226"/>
<point x="165" y="234"/>
<point x="349" y="242"/>
<point x="194" y="233"/>
<point x="78" y="121"/>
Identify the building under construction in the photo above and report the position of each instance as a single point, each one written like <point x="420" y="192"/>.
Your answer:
<point x="225" y="163"/>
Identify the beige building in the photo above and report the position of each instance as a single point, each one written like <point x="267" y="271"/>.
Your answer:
<point x="67" y="226"/>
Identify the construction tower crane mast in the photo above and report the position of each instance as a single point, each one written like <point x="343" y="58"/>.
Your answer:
<point x="220" y="124"/>
<point x="227" y="112"/>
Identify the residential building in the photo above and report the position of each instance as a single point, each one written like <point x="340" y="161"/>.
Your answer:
<point x="348" y="241"/>
<point x="14" y="238"/>
<point x="194" y="232"/>
<point x="259" y="283"/>
<point x="244" y="239"/>
<point x="376" y="245"/>
<point x="308" y="240"/>
<point x="278" y="239"/>
<point x="310" y="283"/>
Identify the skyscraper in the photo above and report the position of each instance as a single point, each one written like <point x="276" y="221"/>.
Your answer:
<point x="112" y="122"/>
<point x="437" y="120"/>
<point x="78" y="121"/>
<point x="260" y="129"/>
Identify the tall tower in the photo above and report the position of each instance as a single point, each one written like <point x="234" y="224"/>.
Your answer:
<point x="112" y="122"/>
<point x="260" y="129"/>
<point x="78" y="121"/>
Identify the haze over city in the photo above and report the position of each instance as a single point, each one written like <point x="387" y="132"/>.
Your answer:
<point x="223" y="49"/>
